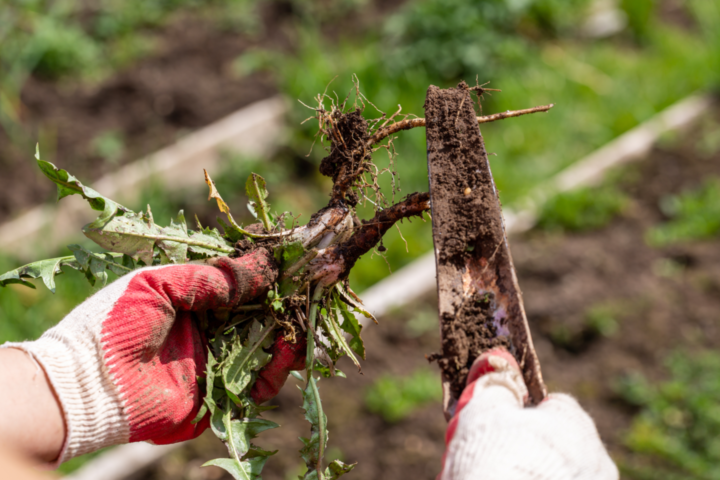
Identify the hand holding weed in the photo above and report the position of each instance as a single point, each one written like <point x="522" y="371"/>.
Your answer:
<point x="493" y="435"/>
<point x="125" y="363"/>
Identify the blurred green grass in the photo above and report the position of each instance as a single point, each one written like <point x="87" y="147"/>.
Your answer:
<point x="396" y="397"/>
<point x="582" y="209"/>
<point x="678" y="426"/>
<point x="693" y="215"/>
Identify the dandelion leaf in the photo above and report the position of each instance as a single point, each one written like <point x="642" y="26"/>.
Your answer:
<point x="257" y="193"/>
<point x="351" y="326"/>
<point x="336" y="469"/>
<point x="314" y="446"/>
<point x="69" y="185"/>
<point x="247" y="357"/>
<point x="44" y="269"/>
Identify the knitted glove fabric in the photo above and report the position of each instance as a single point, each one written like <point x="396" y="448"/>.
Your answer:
<point x="286" y="357"/>
<point x="124" y="363"/>
<point x="494" y="436"/>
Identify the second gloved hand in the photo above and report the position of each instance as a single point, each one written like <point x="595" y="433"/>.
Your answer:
<point x="493" y="435"/>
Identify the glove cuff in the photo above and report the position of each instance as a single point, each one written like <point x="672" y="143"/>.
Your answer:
<point x="91" y="404"/>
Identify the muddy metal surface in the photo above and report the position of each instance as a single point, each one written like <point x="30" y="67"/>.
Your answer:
<point x="479" y="298"/>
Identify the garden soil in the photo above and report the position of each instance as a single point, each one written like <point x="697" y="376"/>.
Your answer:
<point x="188" y="83"/>
<point x="662" y="299"/>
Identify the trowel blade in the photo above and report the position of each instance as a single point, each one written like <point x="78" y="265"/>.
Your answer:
<point x="475" y="272"/>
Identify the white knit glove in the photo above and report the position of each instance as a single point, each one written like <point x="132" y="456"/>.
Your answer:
<point x="494" y="436"/>
<point x="124" y="364"/>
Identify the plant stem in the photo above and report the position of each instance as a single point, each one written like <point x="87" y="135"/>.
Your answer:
<point x="514" y="113"/>
<point x="260" y="205"/>
<point x="420" y="122"/>
<point x="245" y="308"/>
<point x="312" y="320"/>
<point x="321" y="426"/>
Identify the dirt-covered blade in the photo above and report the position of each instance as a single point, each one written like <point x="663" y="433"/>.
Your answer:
<point x="480" y="303"/>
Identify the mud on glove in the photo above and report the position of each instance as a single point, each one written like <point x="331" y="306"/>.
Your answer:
<point x="493" y="435"/>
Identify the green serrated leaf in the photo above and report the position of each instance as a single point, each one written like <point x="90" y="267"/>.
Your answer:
<point x="351" y="325"/>
<point x="70" y="185"/>
<point x="234" y="398"/>
<point x="245" y="358"/>
<point x="242" y="431"/>
<point x="231" y="233"/>
<point x="337" y="335"/>
<point x="257" y="193"/>
<point x="336" y="469"/>
<point x="326" y="371"/>
<point x="208" y="401"/>
<point x="128" y="262"/>
<point x="129" y="234"/>
<point x="210" y="236"/>
<point x="221" y="416"/>
<point x="97" y="270"/>
<point x="175" y="251"/>
<point x="246" y="470"/>
<point x="136" y="236"/>
<point x="247" y="460"/>
<point x="350" y="298"/>
<point x="94" y="264"/>
<point x="45" y="269"/>
<point x="313" y="447"/>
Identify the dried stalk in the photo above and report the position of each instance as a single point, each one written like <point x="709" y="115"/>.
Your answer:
<point x="420" y="122"/>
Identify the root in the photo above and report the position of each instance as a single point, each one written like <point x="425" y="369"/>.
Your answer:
<point x="420" y="122"/>
<point x="337" y="261"/>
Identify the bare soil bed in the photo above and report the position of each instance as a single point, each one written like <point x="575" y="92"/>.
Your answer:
<point x="187" y="84"/>
<point x="562" y="277"/>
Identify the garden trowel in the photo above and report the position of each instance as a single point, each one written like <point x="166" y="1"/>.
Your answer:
<point x="480" y="303"/>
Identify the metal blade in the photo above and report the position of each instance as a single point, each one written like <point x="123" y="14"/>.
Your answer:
<point x="480" y="303"/>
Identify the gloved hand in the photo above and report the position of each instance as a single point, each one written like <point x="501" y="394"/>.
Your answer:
<point x="493" y="436"/>
<point x="124" y="363"/>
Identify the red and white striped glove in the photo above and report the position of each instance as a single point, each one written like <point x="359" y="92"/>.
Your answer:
<point x="493" y="435"/>
<point x="124" y="363"/>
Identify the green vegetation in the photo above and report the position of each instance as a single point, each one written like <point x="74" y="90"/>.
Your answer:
<point x="27" y="313"/>
<point x="694" y="215"/>
<point x="582" y="209"/>
<point x="602" y="319"/>
<point x="531" y="49"/>
<point x="395" y="398"/>
<point x="678" y="428"/>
